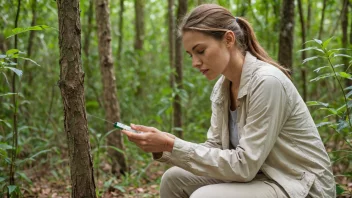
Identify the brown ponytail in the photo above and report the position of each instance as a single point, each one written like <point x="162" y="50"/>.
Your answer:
<point x="214" y="20"/>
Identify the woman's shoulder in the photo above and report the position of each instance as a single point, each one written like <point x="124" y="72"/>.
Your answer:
<point x="265" y="70"/>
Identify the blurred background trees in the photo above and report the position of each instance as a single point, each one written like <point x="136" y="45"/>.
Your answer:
<point x="137" y="72"/>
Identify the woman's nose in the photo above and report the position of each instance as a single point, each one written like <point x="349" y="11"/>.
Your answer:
<point x="196" y="62"/>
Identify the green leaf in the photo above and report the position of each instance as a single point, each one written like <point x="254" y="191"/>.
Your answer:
<point x="22" y="30"/>
<point x="12" y="52"/>
<point x="342" y="55"/>
<point x="339" y="189"/>
<point x="310" y="58"/>
<point x="326" y="43"/>
<point x="5" y="146"/>
<point x="344" y="75"/>
<point x="108" y="133"/>
<point x="338" y="65"/>
<point x="7" y="94"/>
<point x="24" y="176"/>
<point x="323" y="76"/>
<point x="120" y="188"/>
<point x="331" y="110"/>
<point x="18" y="72"/>
<point x="40" y="152"/>
<point x="341" y="125"/>
<point x="11" y="188"/>
<point x="315" y="103"/>
<point x="349" y="104"/>
<point x="114" y="148"/>
<point x="323" y="124"/>
<point x="319" y="68"/>
<point x="28" y="59"/>
<point x="2" y="179"/>
<point x="318" y="41"/>
<point x="310" y="41"/>
<point x="311" y="48"/>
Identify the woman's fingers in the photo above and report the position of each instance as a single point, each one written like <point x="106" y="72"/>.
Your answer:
<point x="133" y="136"/>
<point x="143" y="128"/>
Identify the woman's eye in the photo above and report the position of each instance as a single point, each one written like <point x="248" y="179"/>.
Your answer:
<point x="201" y="52"/>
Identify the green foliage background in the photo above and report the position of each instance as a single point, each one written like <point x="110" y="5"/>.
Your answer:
<point x="40" y="105"/>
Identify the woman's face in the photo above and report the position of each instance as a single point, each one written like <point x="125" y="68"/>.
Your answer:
<point x="209" y="56"/>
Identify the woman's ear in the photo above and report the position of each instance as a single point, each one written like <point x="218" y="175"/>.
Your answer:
<point x="230" y="38"/>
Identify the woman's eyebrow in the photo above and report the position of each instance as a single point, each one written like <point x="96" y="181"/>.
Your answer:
<point x="194" y="46"/>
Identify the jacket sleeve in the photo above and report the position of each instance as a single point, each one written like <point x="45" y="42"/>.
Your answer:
<point x="267" y="112"/>
<point x="214" y="132"/>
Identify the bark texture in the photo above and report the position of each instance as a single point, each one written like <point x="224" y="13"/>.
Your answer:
<point x="182" y="10"/>
<point x="111" y="105"/>
<point x="171" y="26"/>
<point x="286" y="33"/>
<point x="71" y="84"/>
<point x="303" y="31"/>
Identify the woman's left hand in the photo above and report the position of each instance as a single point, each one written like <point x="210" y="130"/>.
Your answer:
<point x="151" y="139"/>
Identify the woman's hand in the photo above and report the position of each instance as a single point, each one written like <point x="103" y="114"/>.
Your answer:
<point x="151" y="139"/>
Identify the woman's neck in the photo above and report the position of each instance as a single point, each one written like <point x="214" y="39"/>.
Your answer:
<point x="234" y="69"/>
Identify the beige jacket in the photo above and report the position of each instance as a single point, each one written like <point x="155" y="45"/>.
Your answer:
<point x="276" y="131"/>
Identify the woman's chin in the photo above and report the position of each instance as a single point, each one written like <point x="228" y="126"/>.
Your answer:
<point x="211" y="77"/>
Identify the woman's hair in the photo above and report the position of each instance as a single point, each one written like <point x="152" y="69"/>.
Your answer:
<point x="215" y="21"/>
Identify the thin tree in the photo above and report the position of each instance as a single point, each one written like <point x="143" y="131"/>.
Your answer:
<point x="71" y="84"/>
<point x="321" y="28"/>
<point x="309" y="16"/>
<point x="111" y="105"/>
<point x="119" y="50"/>
<point x="139" y="41"/>
<point x="86" y="51"/>
<point x="171" y="26"/>
<point x="303" y="36"/>
<point x="181" y="11"/>
<point x="286" y="33"/>
<point x="30" y="41"/>
<point x="14" y="102"/>
<point x="344" y="27"/>
<point x="139" y="24"/>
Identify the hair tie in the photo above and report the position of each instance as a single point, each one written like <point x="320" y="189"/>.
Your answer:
<point x="236" y="19"/>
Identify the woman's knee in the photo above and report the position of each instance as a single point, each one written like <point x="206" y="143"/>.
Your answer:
<point x="173" y="175"/>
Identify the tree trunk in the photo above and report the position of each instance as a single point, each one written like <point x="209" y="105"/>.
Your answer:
<point x="71" y="84"/>
<point x="111" y="105"/>
<point x="351" y="25"/>
<point x="321" y="28"/>
<point x="30" y="43"/>
<point x="309" y="16"/>
<point x="344" y="26"/>
<point x="276" y="24"/>
<point x="14" y="103"/>
<point x="172" y="34"/>
<point x="286" y="33"/>
<point x="119" y="50"/>
<point x="138" y="44"/>
<point x="182" y="10"/>
<point x="303" y="29"/>
<point x="139" y="9"/>
<point x="86" y="48"/>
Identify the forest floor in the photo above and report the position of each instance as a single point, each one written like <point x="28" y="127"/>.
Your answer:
<point x="142" y="182"/>
<point x="146" y="186"/>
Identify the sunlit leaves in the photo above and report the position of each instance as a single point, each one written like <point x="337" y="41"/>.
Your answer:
<point x="26" y="29"/>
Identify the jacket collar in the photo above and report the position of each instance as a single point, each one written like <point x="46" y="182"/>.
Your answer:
<point x="221" y="88"/>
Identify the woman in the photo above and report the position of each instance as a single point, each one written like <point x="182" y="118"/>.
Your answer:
<point x="262" y="141"/>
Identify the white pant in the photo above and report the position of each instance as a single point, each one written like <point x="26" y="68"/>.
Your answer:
<point x="179" y="183"/>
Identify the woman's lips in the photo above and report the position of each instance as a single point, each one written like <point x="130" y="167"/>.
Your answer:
<point x="204" y="71"/>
